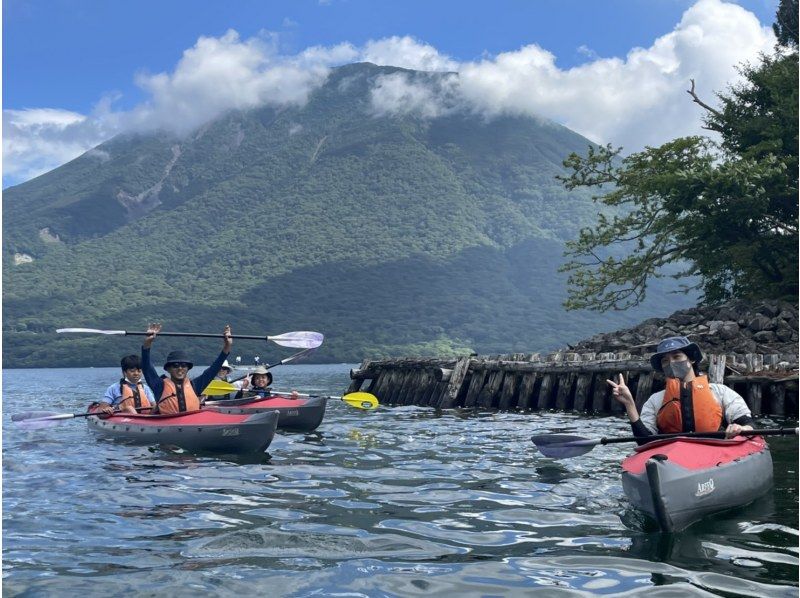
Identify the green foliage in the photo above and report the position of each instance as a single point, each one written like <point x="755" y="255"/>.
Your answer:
<point x="726" y="210"/>
<point x="391" y="235"/>
<point x="785" y="26"/>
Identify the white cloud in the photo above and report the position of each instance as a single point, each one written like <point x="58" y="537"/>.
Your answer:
<point x="220" y="74"/>
<point x="38" y="140"/>
<point x="636" y="100"/>
<point x="406" y="52"/>
<point x="399" y="93"/>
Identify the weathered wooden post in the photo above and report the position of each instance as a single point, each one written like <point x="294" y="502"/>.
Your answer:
<point x="457" y="376"/>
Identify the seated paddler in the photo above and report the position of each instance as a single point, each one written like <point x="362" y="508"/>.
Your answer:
<point x="130" y="394"/>
<point x="689" y="403"/>
<point x="176" y="392"/>
<point x="256" y="384"/>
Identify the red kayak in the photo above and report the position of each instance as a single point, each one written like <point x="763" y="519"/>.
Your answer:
<point x="679" y="481"/>
<point x="303" y="414"/>
<point x="205" y="431"/>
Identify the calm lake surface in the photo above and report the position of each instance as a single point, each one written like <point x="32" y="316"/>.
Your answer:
<point x="392" y="502"/>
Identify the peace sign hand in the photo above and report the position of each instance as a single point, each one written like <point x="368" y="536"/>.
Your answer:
<point x="621" y="392"/>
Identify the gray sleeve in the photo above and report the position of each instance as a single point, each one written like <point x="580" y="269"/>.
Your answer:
<point x="650" y="410"/>
<point x="733" y="405"/>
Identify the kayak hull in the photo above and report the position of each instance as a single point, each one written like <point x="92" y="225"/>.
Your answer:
<point x="678" y="482"/>
<point x="194" y="431"/>
<point x="295" y="415"/>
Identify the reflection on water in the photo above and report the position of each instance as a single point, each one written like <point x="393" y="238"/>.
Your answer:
<point x="395" y="502"/>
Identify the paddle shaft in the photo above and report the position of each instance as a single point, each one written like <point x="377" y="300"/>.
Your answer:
<point x="765" y="432"/>
<point x="200" y="335"/>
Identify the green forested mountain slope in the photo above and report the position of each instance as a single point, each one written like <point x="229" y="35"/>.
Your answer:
<point x="391" y="235"/>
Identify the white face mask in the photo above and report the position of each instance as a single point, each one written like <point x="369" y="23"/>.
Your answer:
<point x="677" y="369"/>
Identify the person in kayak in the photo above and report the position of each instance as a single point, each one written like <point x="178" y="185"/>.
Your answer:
<point x="689" y="403"/>
<point x="129" y="394"/>
<point x="257" y="384"/>
<point x="177" y="392"/>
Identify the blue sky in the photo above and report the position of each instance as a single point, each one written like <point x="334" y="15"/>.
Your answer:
<point x="87" y="68"/>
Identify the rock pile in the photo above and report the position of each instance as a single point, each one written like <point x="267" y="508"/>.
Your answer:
<point x="767" y="327"/>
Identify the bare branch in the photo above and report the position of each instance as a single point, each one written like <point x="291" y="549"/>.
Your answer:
<point x="701" y="102"/>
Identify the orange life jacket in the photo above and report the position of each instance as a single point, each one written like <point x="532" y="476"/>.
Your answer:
<point x="137" y="396"/>
<point x="697" y="411"/>
<point x="177" y="399"/>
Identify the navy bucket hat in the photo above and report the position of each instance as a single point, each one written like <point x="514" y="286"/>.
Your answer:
<point x="178" y="357"/>
<point x="675" y="343"/>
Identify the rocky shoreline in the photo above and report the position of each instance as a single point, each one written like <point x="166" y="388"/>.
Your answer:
<point x="767" y="327"/>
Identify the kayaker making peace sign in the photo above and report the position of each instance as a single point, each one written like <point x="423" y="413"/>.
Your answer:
<point x="689" y="403"/>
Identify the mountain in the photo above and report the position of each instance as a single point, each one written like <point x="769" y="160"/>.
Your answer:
<point x="390" y="234"/>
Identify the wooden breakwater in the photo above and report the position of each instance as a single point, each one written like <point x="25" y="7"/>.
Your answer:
<point x="565" y="381"/>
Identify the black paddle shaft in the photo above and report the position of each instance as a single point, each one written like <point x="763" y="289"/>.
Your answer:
<point x="765" y="432"/>
<point x="200" y="335"/>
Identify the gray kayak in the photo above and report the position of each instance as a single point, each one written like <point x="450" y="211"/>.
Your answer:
<point x="201" y="431"/>
<point x="678" y="482"/>
<point x="298" y="415"/>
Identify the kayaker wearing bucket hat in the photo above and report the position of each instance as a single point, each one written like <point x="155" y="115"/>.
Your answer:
<point x="689" y="403"/>
<point x="176" y="392"/>
<point x="258" y="383"/>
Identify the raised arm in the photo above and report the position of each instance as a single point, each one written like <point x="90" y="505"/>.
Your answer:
<point x="200" y="382"/>
<point x="150" y="375"/>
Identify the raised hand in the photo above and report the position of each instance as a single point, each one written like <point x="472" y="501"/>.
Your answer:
<point x="152" y="330"/>
<point x="228" y="343"/>
<point x="621" y="392"/>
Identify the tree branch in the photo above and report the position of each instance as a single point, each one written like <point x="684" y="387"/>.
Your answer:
<point x="697" y="100"/>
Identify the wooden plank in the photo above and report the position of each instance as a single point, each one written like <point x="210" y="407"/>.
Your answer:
<point x="429" y="389"/>
<point x="475" y="386"/>
<point x="487" y="399"/>
<point x="510" y="384"/>
<point x="564" y="391"/>
<point x="753" y="398"/>
<point x="600" y="392"/>
<point x="777" y="401"/>
<point x="544" y="400"/>
<point x="582" y="387"/>
<point x="716" y="368"/>
<point x="526" y="387"/>
<point x="406" y="393"/>
<point x="460" y="370"/>
<point x="644" y="388"/>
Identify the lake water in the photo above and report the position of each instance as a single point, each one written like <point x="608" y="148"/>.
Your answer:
<point x="392" y="502"/>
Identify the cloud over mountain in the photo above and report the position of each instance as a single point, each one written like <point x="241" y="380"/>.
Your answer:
<point x="632" y="101"/>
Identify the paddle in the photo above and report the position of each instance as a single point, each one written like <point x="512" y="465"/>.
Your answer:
<point x="562" y="446"/>
<point x="217" y="388"/>
<point x="43" y="419"/>
<point x="302" y="339"/>
<point x="359" y="400"/>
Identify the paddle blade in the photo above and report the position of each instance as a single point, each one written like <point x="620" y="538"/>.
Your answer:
<point x="563" y="446"/>
<point x="217" y="388"/>
<point x="90" y="331"/>
<point x="301" y="340"/>
<point x="33" y="420"/>
<point x="361" y="400"/>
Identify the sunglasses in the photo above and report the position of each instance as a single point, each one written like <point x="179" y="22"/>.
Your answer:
<point x="179" y="365"/>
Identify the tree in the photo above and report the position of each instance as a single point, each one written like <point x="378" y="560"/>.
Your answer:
<point x="724" y="210"/>
<point x="785" y="26"/>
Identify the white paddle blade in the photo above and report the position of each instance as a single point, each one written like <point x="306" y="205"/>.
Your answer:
<point x="91" y="331"/>
<point x="302" y="340"/>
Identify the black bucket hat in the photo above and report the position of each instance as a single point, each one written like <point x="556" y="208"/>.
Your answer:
<point x="675" y="343"/>
<point x="178" y="357"/>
